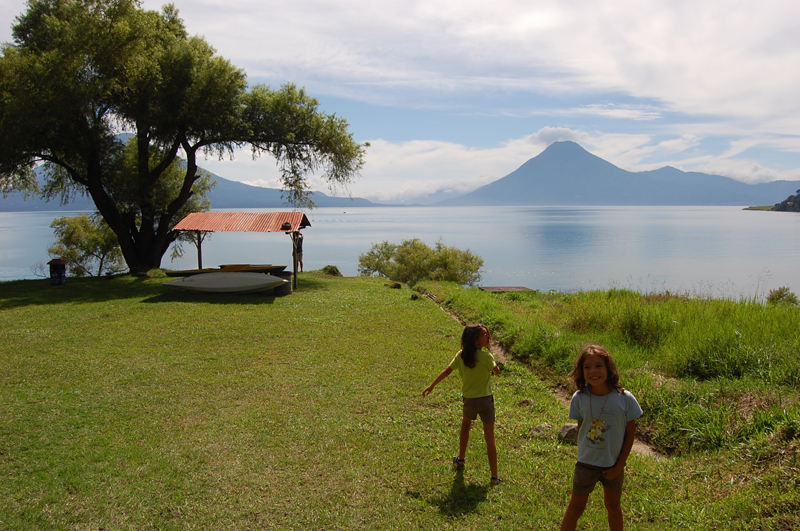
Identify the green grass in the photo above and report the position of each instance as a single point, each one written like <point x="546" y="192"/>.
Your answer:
<point x="127" y="406"/>
<point x="709" y="373"/>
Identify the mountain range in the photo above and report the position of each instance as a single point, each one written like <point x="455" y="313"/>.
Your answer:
<point x="564" y="174"/>
<point x="225" y="195"/>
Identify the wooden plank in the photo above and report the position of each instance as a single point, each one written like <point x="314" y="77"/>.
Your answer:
<point x="503" y="289"/>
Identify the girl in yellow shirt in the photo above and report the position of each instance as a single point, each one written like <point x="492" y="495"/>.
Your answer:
<point x="475" y="365"/>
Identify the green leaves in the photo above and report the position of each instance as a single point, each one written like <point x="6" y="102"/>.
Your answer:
<point x="87" y="244"/>
<point x="413" y="260"/>
<point x="288" y="124"/>
<point x="82" y="71"/>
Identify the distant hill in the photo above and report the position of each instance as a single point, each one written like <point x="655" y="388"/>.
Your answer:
<point x="233" y="194"/>
<point x="17" y="203"/>
<point x="566" y="174"/>
<point x="226" y="195"/>
<point x="790" y="204"/>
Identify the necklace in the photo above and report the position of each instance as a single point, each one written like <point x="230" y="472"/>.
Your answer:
<point x="598" y="427"/>
<point x="595" y="420"/>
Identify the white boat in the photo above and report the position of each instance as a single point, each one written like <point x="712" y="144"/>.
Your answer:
<point x="248" y="268"/>
<point x="223" y="282"/>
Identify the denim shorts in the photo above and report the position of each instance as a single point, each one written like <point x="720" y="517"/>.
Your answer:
<point x="587" y="476"/>
<point x="483" y="406"/>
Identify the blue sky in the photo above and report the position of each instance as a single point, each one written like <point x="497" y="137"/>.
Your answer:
<point x="455" y="94"/>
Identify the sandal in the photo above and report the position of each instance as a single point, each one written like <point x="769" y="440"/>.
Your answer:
<point x="458" y="462"/>
<point x="496" y="481"/>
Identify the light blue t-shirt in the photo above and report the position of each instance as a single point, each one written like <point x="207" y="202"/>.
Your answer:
<point x="600" y="439"/>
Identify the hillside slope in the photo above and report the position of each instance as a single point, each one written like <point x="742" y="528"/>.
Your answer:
<point x="567" y="174"/>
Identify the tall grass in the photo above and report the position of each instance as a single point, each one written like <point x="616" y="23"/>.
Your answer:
<point x="710" y="374"/>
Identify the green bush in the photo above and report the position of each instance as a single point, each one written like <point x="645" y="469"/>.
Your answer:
<point x="782" y="295"/>
<point x="412" y="261"/>
<point x="331" y="270"/>
<point x="720" y="356"/>
<point x="642" y="327"/>
<point x="690" y="417"/>
<point x="540" y="342"/>
<point x="87" y="244"/>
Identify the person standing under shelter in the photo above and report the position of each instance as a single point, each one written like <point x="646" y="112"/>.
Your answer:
<point x="298" y="249"/>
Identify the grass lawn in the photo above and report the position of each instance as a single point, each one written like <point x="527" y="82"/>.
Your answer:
<point x="124" y="405"/>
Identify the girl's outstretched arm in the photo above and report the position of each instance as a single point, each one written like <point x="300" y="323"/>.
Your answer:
<point x="627" y="445"/>
<point x="442" y="375"/>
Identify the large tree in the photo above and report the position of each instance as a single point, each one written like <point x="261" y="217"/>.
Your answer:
<point x="79" y="72"/>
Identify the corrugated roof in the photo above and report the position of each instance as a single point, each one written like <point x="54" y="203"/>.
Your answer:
<point x="243" y="221"/>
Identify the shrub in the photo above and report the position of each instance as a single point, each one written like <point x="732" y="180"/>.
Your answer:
<point x="723" y="355"/>
<point x="88" y="245"/>
<point x="331" y="270"/>
<point x="643" y="328"/>
<point x="782" y="295"/>
<point x="546" y="345"/>
<point x="412" y="261"/>
<point x="453" y="265"/>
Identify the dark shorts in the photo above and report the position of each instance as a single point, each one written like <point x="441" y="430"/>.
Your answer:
<point x="483" y="406"/>
<point x="587" y="476"/>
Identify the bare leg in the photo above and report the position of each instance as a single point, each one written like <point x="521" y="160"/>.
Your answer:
<point x="577" y="504"/>
<point x="613" y="509"/>
<point x="491" y="447"/>
<point x="463" y="439"/>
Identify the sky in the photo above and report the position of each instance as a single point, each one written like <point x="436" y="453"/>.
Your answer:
<point x="454" y="94"/>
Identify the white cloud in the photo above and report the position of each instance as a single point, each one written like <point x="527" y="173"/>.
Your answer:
<point x="641" y="85"/>
<point x="259" y="172"/>
<point x="547" y="135"/>
<point x="620" y="112"/>
<point x="699" y="58"/>
<point x="747" y="171"/>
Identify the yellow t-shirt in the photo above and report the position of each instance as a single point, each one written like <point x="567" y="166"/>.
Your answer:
<point x="475" y="382"/>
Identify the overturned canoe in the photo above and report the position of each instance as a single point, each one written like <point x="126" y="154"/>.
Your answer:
<point x="227" y="282"/>
<point x="244" y="268"/>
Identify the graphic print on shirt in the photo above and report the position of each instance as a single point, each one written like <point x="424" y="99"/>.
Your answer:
<point x="595" y="434"/>
<point x="598" y="427"/>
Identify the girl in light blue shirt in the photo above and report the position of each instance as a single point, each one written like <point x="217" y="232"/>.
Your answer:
<point x="606" y="415"/>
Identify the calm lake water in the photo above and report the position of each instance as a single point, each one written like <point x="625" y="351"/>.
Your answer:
<point x="710" y="251"/>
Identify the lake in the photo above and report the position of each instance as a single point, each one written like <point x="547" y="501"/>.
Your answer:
<point x="710" y="251"/>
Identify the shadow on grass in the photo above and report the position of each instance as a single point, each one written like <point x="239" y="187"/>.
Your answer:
<point x="258" y="297"/>
<point x="21" y="293"/>
<point x="463" y="498"/>
<point x="174" y="295"/>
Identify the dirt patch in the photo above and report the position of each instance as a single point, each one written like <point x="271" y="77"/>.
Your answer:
<point x="498" y="351"/>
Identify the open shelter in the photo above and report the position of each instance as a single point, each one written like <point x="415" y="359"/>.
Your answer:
<point x="285" y="222"/>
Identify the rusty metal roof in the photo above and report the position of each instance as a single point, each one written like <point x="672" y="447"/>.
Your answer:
<point x="243" y="221"/>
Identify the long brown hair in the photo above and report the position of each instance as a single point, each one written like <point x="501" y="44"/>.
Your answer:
<point x="611" y="369"/>
<point x="469" y="336"/>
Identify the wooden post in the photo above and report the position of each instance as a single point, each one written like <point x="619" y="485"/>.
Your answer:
<point x="294" y="260"/>
<point x="199" y="249"/>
